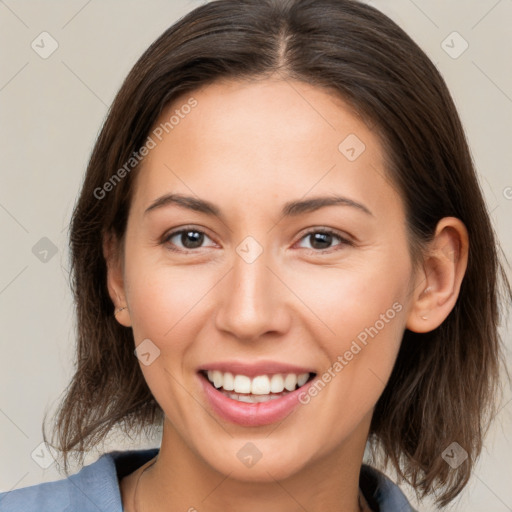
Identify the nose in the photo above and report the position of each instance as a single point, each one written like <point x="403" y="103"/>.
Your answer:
<point x="253" y="300"/>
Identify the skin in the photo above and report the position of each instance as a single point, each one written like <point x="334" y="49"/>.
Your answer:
<point x="249" y="147"/>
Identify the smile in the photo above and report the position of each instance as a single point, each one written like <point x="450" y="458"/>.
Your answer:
<point x="258" y="389"/>
<point x="254" y="395"/>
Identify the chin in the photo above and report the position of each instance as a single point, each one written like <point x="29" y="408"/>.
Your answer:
<point x="258" y="461"/>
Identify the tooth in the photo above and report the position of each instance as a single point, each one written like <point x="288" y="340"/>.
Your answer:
<point x="261" y="398"/>
<point x="277" y="383"/>
<point x="252" y="399"/>
<point x="217" y="379"/>
<point x="242" y="384"/>
<point x="242" y="398"/>
<point x="228" y="383"/>
<point x="302" y="379"/>
<point x="290" y="381"/>
<point x="260" y="385"/>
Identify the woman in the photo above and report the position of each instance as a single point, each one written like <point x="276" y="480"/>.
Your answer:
<point x="282" y="218"/>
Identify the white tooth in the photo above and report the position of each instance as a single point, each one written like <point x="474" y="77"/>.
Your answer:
<point x="302" y="379"/>
<point x="290" y="381"/>
<point x="253" y="399"/>
<point x="245" y="398"/>
<point x="260" y="385"/>
<point x="242" y="384"/>
<point x="217" y="378"/>
<point x="261" y="398"/>
<point x="277" y="383"/>
<point x="228" y="384"/>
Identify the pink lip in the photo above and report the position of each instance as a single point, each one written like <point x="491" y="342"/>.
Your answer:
<point x="254" y="369"/>
<point x="252" y="415"/>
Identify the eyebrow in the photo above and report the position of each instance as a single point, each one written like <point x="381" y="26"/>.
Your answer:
<point x="290" y="209"/>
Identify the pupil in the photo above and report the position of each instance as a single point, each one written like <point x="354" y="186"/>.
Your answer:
<point x="196" y="238"/>
<point x="324" y="238"/>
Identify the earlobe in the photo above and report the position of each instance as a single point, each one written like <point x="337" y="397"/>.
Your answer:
<point x="438" y="285"/>
<point x="115" y="280"/>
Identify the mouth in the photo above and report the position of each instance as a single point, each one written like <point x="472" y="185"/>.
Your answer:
<point x="253" y="396"/>
<point x="258" y="389"/>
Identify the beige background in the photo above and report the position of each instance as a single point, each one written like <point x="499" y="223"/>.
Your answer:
<point x="52" y="110"/>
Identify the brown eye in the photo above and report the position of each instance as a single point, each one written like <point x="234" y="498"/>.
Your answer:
<point x="322" y="239"/>
<point x="189" y="239"/>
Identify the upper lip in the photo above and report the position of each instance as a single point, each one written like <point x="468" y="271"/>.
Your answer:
<point x="254" y="369"/>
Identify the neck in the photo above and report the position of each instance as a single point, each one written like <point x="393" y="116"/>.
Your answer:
<point x="183" y="481"/>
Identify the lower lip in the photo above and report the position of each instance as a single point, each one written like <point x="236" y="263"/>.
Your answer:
<point x="251" y="415"/>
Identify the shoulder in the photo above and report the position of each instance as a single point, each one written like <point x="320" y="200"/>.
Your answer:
<point x="41" y="497"/>
<point x="381" y="493"/>
<point x="95" y="487"/>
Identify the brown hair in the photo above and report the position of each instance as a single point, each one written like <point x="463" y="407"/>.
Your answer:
<point x="442" y="388"/>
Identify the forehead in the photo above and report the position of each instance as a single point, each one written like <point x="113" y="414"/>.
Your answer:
<point x="259" y="138"/>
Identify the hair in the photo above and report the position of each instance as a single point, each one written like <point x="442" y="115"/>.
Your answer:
<point x="443" y="385"/>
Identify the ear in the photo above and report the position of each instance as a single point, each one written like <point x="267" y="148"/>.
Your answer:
<point x="112" y="252"/>
<point x="438" y="284"/>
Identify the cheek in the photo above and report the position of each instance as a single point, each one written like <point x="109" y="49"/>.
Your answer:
<point x="362" y="312"/>
<point x="165" y="300"/>
<point x="166" y="303"/>
<point x="348" y="299"/>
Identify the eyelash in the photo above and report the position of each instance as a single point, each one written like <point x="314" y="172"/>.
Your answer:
<point x="343" y="241"/>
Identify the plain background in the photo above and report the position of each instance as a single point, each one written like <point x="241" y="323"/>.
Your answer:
<point x="52" y="110"/>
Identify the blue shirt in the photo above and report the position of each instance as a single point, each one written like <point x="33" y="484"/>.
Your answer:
<point x="95" y="488"/>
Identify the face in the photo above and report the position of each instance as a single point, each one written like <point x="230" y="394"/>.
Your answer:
<point x="252" y="285"/>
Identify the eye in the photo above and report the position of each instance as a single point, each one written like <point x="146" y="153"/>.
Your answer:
<point x="321" y="239"/>
<point x="189" y="237"/>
